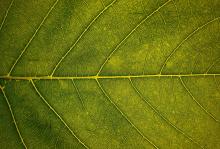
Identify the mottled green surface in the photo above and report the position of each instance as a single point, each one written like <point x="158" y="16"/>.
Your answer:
<point x="99" y="74"/>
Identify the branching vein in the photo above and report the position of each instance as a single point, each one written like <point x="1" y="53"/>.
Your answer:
<point x="128" y="35"/>
<point x="184" y="40"/>
<point x="32" y="37"/>
<point x="13" y="117"/>
<point x="122" y="113"/>
<point x="80" y="37"/>
<point x="78" y="93"/>
<point x="54" y="111"/>
<point x="194" y="99"/>
<point x="6" y="14"/>
<point x="161" y="115"/>
<point x="212" y="65"/>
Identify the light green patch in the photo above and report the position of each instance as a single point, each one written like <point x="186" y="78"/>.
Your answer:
<point x="115" y="61"/>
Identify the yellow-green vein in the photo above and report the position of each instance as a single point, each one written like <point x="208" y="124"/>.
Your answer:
<point x="161" y="115"/>
<point x="13" y="117"/>
<point x="184" y="40"/>
<point x="32" y="37"/>
<point x="6" y="14"/>
<point x="80" y="37"/>
<point x="128" y="35"/>
<point x="194" y="99"/>
<point x="54" y="111"/>
<point x="104" y="77"/>
<point x="123" y="114"/>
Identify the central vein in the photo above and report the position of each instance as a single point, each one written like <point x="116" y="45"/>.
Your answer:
<point x="101" y="77"/>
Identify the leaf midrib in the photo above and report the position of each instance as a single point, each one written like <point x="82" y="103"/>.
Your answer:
<point x="107" y="76"/>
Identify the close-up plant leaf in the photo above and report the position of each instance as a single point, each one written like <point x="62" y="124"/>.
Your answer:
<point x="99" y="74"/>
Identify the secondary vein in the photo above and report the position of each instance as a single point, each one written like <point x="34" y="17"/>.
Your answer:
<point x="55" y="112"/>
<point x="13" y="117"/>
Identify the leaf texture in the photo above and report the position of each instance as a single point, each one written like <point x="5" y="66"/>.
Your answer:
<point x="110" y="74"/>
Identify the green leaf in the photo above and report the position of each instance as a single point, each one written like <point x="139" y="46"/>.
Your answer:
<point x="110" y="74"/>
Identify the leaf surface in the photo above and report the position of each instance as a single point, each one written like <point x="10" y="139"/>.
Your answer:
<point x="110" y="74"/>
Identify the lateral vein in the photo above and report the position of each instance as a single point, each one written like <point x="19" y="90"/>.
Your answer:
<point x="13" y="117"/>
<point x="196" y="101"/>
<point x="32" y="37"/>
<point x="54" y="111"/>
